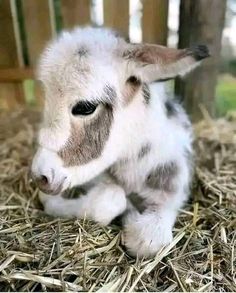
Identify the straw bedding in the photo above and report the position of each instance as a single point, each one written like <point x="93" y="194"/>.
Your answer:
<point x="41" y="253"/>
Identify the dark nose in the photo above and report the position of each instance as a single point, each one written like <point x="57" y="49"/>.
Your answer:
<point x="43" y="183"/>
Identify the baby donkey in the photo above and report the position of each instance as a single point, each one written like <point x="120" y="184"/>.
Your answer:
<point x="109" y="126"/>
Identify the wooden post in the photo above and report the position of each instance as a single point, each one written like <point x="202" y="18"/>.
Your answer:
<point x="116" y="15"/>
<point x="75" y="12"/>
<point x="201" y="22"/>
<point x="39" y="26"/>
<point x="11" y="94"/>
<point x="155" y="21"/>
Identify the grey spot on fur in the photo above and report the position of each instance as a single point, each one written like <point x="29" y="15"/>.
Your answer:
<point x="83" y="51"/>
<point x="146" y="93"/>
<point x="187" y="125"/>
<point x="74" y="192"/>
<point x="171" y="109"/>
<point x="144" y="151"/>
<point x="189" y="157"/>
<point x="190" y="163"/>
<point x="110" y="93"/>
<point x="86" y="143"/>
<point x="137" y="201"/>
<point x="112" y="172"/>
<point x="175" y="110"/>
<point x="162" y="177"/>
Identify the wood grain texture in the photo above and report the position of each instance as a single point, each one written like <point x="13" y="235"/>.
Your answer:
<point x="201" y="22"/>
<point x="154" y="21"/>
<point x="75" y="12"/>
<point x="116" y="15"/>
<point x="11" y="94"/>
<point x="39" y="26"/>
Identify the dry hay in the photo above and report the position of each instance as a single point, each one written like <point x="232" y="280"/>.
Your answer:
<point x="40" y="253"/>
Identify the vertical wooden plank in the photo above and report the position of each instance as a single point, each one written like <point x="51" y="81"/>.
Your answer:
<point x="11" y="94"/>
<point x="201" y="22"/>
<point x="39" y="26"/>
<point x="116" y="15"/>
<point x="75" y="12"/>
<point x="155" y="21"/>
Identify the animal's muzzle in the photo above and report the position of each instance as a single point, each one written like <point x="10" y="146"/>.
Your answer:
<point x="47" y="172"/>
<point x="44" y="184"/>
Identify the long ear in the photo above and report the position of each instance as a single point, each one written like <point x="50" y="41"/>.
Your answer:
<point x="154" y="62"/>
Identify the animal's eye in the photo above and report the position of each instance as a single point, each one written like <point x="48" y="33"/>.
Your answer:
<point x="83" y="108"/>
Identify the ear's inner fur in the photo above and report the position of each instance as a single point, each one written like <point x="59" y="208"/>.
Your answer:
<point x="155" y="54"/>
<point x="162" y="177"/>
<point x="132" y="85"/>
<point x="167" y="62"/>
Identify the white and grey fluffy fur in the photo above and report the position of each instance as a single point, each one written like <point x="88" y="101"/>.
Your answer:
<point x="137" y="141"/>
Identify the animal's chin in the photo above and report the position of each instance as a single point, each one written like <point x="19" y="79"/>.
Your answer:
<point x="54" y="191"/>
<point x="74" y="192"/>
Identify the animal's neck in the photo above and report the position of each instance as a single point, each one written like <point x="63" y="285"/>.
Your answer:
<point x="147" y="116"/>
<point x="136" y="125"/>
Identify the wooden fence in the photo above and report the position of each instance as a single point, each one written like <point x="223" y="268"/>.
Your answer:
<point x="26" y="26"/>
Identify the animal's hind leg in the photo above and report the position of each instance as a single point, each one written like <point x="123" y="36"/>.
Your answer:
<point x="145" y="233"/>
<point x="102" y="203"/>
<point x="148" y="231"/>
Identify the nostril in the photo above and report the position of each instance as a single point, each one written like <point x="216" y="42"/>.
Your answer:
<point x="43" y="180"/>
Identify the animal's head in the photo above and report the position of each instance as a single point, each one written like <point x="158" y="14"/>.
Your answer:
<point x="95" y="90"/>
